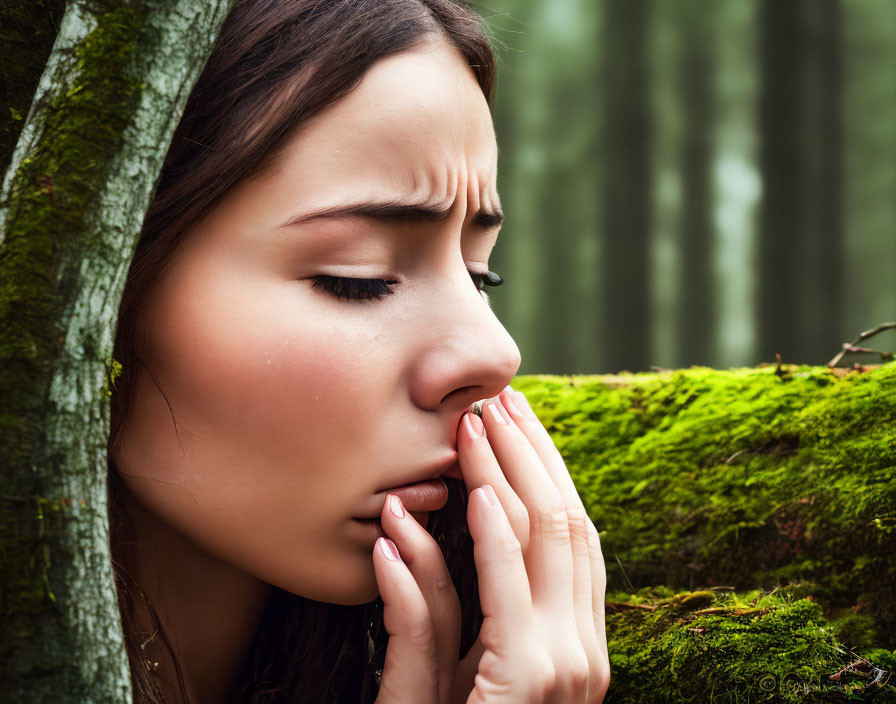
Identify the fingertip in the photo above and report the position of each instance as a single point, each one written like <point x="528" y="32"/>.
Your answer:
<point x="473" y="426"/>
<point x="389" y="550"/>
<point x="487" y="494"/>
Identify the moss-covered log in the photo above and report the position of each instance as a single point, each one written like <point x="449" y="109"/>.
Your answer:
<point x="721" y="646"/>
<point x="73" y="200"/>
<point x="752" y="478"/>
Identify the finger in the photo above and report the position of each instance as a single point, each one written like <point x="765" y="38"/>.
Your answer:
<point x="519" y="409"/>
<point x="599" y="586"/>
<point x="598" y="682"/>
<point x="421" y="553"/>
<point x="585" y="561"/>
<point x="504" y="594"/>
<point x="410" y="672"/>
<point x="479" y="466"/>
<point x="549" y="556"/>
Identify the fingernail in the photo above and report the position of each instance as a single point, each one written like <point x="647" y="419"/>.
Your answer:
<point x="489" y="494"/>
<point x="475" y="428"/>
<point x="493" y="409"/>
<point x="522" y="403"/>
<point x="389" y="550"/>
<point x="395" y="506"/>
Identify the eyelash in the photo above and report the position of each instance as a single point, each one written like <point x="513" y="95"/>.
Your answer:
<point x="365" y="289"/>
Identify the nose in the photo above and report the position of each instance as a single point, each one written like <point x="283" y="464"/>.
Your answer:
<point x="463" y="353"/>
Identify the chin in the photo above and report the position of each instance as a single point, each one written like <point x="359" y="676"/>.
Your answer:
<point x="354" y="594"/>
<point x="350" y="589"/>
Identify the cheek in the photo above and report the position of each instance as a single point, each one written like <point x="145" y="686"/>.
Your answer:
<point x="278" y="413"/>
<point x="246" y="367"/>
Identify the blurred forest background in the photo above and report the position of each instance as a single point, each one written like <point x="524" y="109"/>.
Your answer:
<point x="694" y="181"/>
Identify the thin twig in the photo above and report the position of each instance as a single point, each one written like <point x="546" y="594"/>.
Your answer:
<point x="620" y="605"/>
<point x="849" y="346"/>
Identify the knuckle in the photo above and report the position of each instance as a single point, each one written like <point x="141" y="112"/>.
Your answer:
<point x="599" y="681"/>
<point x="594" y="547"/>
<point x="550" y="522"/>
<point x="542" y="674"/>
<point x="577" y="519"/>
<point x="572" y="675"/>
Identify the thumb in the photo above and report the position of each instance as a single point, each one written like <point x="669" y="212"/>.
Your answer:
<point x="411" y="669"/>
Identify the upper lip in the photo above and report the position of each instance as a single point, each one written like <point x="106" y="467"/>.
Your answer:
<point x="431" y="471"/>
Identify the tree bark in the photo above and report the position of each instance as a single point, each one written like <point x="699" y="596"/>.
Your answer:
<point x="73" y="200"/>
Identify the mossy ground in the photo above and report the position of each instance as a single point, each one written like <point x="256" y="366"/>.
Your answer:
<point x="724" y="646"/>
<point x="755" y="479"/>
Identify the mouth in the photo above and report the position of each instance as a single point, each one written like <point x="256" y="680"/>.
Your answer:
<point x="418" y="497"/>
<point x="419" y="494"/>
<point x="446" y="467"/>
<point x="374" y="526"/>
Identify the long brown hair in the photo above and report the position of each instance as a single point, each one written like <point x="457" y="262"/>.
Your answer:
<point x="276" y="64"/>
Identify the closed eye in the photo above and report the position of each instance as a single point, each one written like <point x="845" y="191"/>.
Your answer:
<point x="367" y="289"/>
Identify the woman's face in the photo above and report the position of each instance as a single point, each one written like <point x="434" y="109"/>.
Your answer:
<point x="291" y="409"/>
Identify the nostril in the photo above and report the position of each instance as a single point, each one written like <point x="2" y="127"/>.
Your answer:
<point x="462" y="391"/>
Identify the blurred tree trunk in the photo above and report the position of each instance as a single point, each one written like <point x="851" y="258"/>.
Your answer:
<point x="697" y="303"/>
<point x="76" y="189"/>
<point x="869" y="92"/>
<point x="626" y="191"/>
<point x="821" y="232"/>
<point x="518" y="129"/>
<point x="800" y="232"/>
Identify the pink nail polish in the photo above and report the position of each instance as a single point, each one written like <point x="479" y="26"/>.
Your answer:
<point x="499" y="418"/>
<point x="475" y="428"/>
<point x="395" y="506"/>
<point x="389" y="550"/>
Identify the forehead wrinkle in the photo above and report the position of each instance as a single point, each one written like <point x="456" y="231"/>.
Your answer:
<point x="442" y="188"/>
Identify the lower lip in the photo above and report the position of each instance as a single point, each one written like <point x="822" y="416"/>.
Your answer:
<point x="419" y="499"/>
<point x="430" y="495"/>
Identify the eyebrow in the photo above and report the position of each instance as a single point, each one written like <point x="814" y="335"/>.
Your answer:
<point x="395" y="212"/>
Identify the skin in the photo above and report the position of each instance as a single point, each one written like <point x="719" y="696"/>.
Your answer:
<point x="541" y="578"/>
<point x="286" y="411"/>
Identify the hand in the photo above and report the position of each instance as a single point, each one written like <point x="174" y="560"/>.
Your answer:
<point x="421" y="612"/>
<point x="547" y="620"/>
<point x="536" y="644"/>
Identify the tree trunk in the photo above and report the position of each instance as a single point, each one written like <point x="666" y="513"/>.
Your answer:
<point x="800" y="232"/>
<point x="626" y="198"/>
<point x="73" y="200"/>
<point x="697" y="309"/>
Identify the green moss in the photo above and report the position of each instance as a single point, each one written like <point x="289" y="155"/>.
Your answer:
<point x="750" y="478"/>
<point x="730" y="647"/>
<point x="113" y="371"/>
<point x="48" y="202"/>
